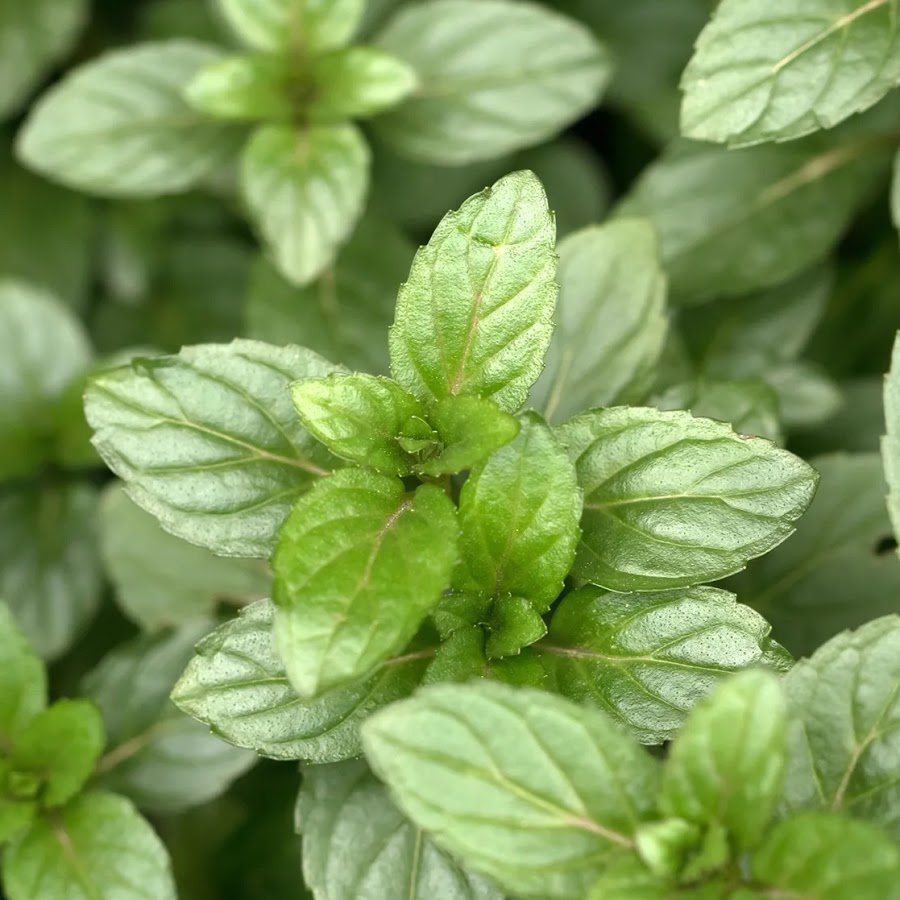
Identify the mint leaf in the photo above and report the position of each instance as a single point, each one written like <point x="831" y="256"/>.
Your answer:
<point x="805" y="392"/>
<point x="24" y="692"/>
<point x="242" y="87"/>
<point x="610" y="319"/>
<point x="628" y="878"/>
<point x="305" y="189"/>
<point x="236" y="684"/>
<point x="647" y="659"/>
<point x="845" y="713"/>
<point x="514" y="624"/>
<point x="99" y="848"/>
<point x="528" y="788"/>
<point x="461" y="657"/>
<point x="670" y="500"/>
<point x="519" y="514"/>
<point x="313" y="25"/>
<point x="772" y="71"/>
<point x="474" y="315"/>
<point x="142" y="140"/>
<point x="16" y="812"/>
<point x="828" y="856"/>
<point x="890" y="444"/>
<point x="895" y="191"/>
<point x="344" y="806"/>
<point x="494" y="76"/>
<point x="173" y="426"/>
<point x="358" y="417"/>
<point x="358" y="566"/>
<point x="158" y="757"/>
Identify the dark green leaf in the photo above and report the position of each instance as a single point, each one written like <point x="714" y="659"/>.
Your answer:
<point x="24" y="692"/>
<point x="890" y="446"/>
<point x="514" y="624"/>
<point x="242" y="87"/>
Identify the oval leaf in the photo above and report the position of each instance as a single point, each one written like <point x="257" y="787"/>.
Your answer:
<point x="24" y="692"/>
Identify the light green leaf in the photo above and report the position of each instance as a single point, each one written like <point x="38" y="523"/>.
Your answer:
<point x="826" y="856"/>
<point x="312" y="25"/>
<point x="236" y="684"/>
<point x="140" y="140"/>
<point x="358" y="566"/>
<point x="474" y="315"/>
<point x="358" y="417"/>
<point x="647" y="659"/>
<point x="345" y="315"/>
<point x="831" y="574"/>
<point x="670" y="500"/>
<point x="774" y="71"/>
<point x="514" y="624"/>
<point x="208" y="440"/>
<point x="844" y="738"/>
<point x="890" y="444"/>
<point x="163" y="760"/>
<point x="305" y="190"/>
<point x="610" y="319"/>
<point x="526" y="787"/>
<point x="16" y="812"/>
<point x="344" y="806"/>
<point x="34" y="37"/>
<point x="461" y="657"/>
<point x="628" y="878"/>
<point x="44" y="347"/>
<point x="50" y="570"/>
<point x="24" y="692"/>
<point x="806" y="395"/>
<point x="726" y="766"/>
<point x="494" y="76"/>
<point x="519" y="514"/>
<point x="358" y="82"/>
<point x="242" y="87"/>
<point x="99" y="848"/>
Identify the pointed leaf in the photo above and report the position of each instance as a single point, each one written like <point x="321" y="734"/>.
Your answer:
<point x="515" y="624"/>
<point x="670" y="500"/>
<point x="242" y="87"/>
<point x="24" y="692"/>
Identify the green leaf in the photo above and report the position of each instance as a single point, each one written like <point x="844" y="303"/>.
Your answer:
<point x="305" y="190"/>
<point x="470" y="429"/>
<point x="494" y="76"/>
<point x="895" y="191"/>
<point x="61" y="745"/>
<point x="727" y="763"/>
<point x="807" y="396"/>
<point x="647" y="659"/>
<point x="236" y="684"/>
<point x="773" y="71"/>
<point x="826" y="856"/>
<point x="174" y="427"/>
<point x="44" y="348"/>
<point x="844" y="739"/>
<point x="310" y="25"/>
<point x="50" y="571"/>
<point x="519" y="514"/>
<point x="242" y="87"/>
<point x="161" y="759"/>
<point x="515" y="624"/>
<point x="358" y="566"/>
<point x="161" y="580"/>
<point x="525" y="787"/>
<point x="358" y="417"/>
<point x="24" y="692"/>
<point x="140" y="140"/>
<point x="16" y="813"/>
<point x="474" y="315"/>
<point x="890" y="444"/>
<point x="34" y="37"/>
<point x="344" y="806"/>
<point x="670" y="500"/>
<point x="99" y="848"/>
<point x="461" y="657"/>
<point x="358" y="82"/>
<point x="831" y="574"/>
<point x="628" y="878"/>
<point x="610" y="319"/>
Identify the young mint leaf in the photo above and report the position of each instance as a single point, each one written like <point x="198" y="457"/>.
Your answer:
<point x="494" y="77"/>
<point x="845" y="726"/>
<point x="343" y="807"/>
<point x="890" y="444"/>
<point x="670" y="500"/>
<point x="99" y="848"/>
<point x="610" y="319"/>
<point x="242" y="87"/>
<point x="628" y="878"/>
<point x="460" y="609"/>
<point x="358" y="82"/>
<point x="141" y="140"/>
<point x="528" y="788"/>
<point x="16" y="812"/>
<point x="519" y="514"/>
<point x="647" y="659"/>
<point x="474" y="315"/>
<point x="514" y="624"/>
<point x="358" y="417"/>
<point x="359" y="565"/>
<point x="277" y="25"/>
<point x="726" y="766"/>
<point x="236" y="684"/>
<point x="470" y="429"/>
<point x="174" y="427"/>
<point x="773" y="71"/>
<point x="460" y="657"/>
<point x="24" y="692"/>
<point x="305" y="189"/>
<point x="825" y="855"/>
